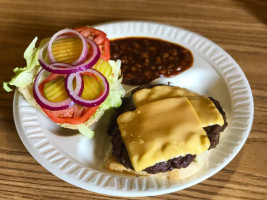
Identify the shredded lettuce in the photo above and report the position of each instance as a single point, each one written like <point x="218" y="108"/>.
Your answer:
<point x="24" y="76"/>
<point x="85" y="130"/>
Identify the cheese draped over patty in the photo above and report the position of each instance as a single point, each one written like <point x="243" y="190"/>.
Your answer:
<point x="168" y="122"/>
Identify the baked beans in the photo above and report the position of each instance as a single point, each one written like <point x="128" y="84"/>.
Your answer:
<point x="146" y="59"/>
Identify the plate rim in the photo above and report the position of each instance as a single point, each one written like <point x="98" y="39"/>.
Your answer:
<point x="138" y="193"/>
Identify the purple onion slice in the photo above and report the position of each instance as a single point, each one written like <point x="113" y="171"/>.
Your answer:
<point x="60" y="35"/>
<point x="43" y="102"/>
<point x="77" y="98"/>
<point x="77" y="68"/>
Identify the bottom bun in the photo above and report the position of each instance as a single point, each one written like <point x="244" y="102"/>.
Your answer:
<point x="174" y="175"/>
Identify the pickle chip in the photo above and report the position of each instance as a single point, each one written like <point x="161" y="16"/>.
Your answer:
<point x="67" y="50"/>
<point x="103" y="67"/>
<point x="92" y="88"/>
<point x="55" y="91"/>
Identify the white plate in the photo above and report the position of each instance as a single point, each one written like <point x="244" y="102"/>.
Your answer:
<point x="79" y="161"/>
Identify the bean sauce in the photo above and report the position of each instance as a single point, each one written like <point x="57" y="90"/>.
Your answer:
<point x="146" y="59"/>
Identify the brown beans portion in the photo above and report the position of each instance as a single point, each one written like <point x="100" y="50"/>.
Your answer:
<point x="146" y="59"/>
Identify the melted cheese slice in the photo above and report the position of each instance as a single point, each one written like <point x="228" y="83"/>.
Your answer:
<point x="205" y="108"/>
<point x="161" y="130"/>
<point x="206" y="111"/>
<point x="156" y="93"/>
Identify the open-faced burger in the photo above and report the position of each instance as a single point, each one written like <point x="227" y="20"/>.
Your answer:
<point x="70" y="78"/>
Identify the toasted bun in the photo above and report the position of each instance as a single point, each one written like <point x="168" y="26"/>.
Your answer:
<point x="174" y="175"/>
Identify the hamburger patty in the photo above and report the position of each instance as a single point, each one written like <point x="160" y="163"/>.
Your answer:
<point x="119" y="150"/>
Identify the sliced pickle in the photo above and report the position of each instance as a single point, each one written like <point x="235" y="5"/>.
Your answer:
<point x="67" y="50"/>
<point x="103" y="67"/>
<point x="92" y="88"/>
<point x="55" y="91"/>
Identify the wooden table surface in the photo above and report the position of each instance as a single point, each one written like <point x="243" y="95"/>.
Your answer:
<point x="237" y="26"/>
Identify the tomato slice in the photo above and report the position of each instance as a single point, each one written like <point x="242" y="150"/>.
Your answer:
<point x="106" y="50"/>
<point x="99" y="37"/>
<point x="74" y="115"/>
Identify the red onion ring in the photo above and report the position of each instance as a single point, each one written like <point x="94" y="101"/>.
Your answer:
<point x="78" y="68"/>
<point x="43" y="102"/>
<point x="61" y="65"/>
<point x="57" y="36"/>
<point x="76" y="97"/>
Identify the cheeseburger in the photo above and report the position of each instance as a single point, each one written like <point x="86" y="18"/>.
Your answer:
<point x="162" y="128"/>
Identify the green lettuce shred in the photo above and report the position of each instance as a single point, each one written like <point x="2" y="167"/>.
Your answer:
<point x="86" y="131"/>
<point x="24" y="76"/>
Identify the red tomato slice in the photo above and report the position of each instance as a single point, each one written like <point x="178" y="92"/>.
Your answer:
<point x="106" y="50"/>
<point x="74" y="115"/>
<point x="99" y="37"/>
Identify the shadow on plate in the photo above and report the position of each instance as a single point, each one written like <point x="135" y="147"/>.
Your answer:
<point x="102" y="140"/>
<point x="92" y="152"/>
<point x="56" y="129"/>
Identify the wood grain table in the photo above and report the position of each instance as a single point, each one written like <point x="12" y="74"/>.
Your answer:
<point x="237" y="26"/>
